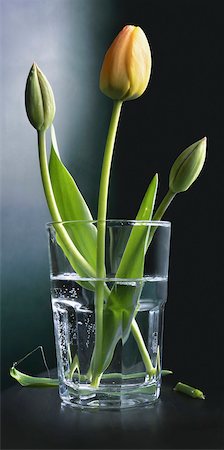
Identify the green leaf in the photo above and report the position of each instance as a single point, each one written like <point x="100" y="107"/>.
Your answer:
<point x="121" y="305"/>
<point x="72" y="206"/>
<point x="27" y="380"/>
<point x="132" y="262"/>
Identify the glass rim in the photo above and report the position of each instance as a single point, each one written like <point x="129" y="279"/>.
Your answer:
<point x="157" y="223"/>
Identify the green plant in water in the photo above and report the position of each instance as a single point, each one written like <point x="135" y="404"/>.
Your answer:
<point x="124" y="76"/>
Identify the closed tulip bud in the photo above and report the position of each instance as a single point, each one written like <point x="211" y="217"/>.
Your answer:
<point x="187" y="167"/>
<point x="127" y="64"/>
<point x="39" y="99"/>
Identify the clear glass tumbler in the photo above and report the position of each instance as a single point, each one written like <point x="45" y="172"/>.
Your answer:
<point x="109" y="330"/>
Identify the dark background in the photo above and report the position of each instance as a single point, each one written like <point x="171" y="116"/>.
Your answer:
<point x="183" y="103"/>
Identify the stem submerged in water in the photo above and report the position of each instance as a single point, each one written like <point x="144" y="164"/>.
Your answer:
<point x="142" y="348"/>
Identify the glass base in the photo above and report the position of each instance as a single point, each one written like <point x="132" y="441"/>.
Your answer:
<point x="109" y="396"/>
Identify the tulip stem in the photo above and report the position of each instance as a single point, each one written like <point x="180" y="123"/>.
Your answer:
<point x="150" y="370"/>
<point x="164" y="205"/>
<point x="101" y="228"/>
<point x="46" y="177"/>
<point x="159" y="213"/>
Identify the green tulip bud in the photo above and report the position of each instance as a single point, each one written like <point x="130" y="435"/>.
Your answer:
<point x="187" y="167"/>
<point x="39" y="99"/>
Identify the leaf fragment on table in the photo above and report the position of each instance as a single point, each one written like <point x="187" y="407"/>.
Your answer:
<point x="30" y="381"/>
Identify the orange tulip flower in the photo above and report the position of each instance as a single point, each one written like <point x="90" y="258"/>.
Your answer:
<point x="127" y="64"/>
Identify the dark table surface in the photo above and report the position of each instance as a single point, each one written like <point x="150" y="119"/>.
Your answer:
<point x="35" y="418"/>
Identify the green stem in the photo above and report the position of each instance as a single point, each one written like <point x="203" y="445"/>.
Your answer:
<point x="46" y="177"/>
<point x="142" y="348"/>
<point x="101" y="231"/>
<point x="134" y="326"/>
<point x="73" y="367"/>
<point x="164" y="205"/>
<point x="104" y="185"/>
<point x="49" y="194"/>
<point x="159" y="213"/>
<point x="109" y="376"/>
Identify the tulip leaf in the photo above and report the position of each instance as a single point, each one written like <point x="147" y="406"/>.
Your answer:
<point x="27" y="380"/>
<point x="72" y="206"/>
<point x="132" y="262"/>
<point x="122" y="303"/>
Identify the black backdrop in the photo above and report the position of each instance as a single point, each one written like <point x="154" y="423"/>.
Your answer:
<point x="183" y="103"/>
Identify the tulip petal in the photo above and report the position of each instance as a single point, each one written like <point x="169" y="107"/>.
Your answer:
<point x="139" y="63"/>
